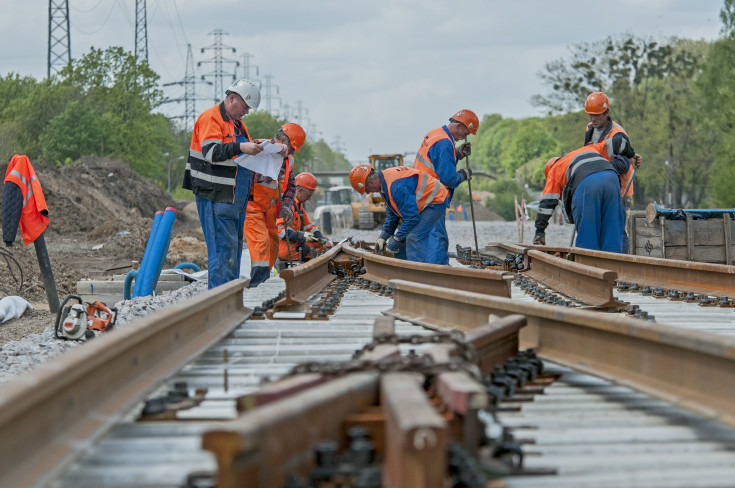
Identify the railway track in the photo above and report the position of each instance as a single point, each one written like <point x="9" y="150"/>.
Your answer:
<point x="205" y="391"/>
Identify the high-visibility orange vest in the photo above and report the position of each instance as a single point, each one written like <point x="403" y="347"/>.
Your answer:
<point x="624" y="179"/>
<point x="428" y="191"/>
<point x="297" y="224"/>
<point x="34" y="217"/>
<point x="422" y="161"/>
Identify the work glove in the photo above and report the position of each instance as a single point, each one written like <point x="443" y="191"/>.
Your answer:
<point x="286" y="214"/>
<point x="379" y="246"/>
<point x="310" y="237"/>
<point x="464" y="174"/>
<point x="300" y="237"/>
<point x="464" y="150"/>
<point x="393" y="245"/>
<point x="328" y="244"/>
<point x="540" y="239"/>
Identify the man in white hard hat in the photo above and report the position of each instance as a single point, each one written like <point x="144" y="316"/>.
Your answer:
<point x="220" y="186"/>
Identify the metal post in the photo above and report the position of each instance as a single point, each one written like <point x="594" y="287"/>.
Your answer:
<point x="472" y="206"/>
<point x="47" y="273"/>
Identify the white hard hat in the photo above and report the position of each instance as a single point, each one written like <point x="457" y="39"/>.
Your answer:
<point x="248" y="91"/>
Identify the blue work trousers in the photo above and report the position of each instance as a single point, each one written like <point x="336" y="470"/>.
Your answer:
<point x="222" y="224"/>
<point x="438" y="243"/>
<point x="417" y="241"/>
<point x="598" y="212"/>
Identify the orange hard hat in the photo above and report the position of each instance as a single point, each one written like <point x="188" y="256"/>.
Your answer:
<point x="295" y="133"/>
<point x="306" y="180"/>
<point x="548" y="166"/>
<point x="358" y="177"/>
<point x="469" y="119"/>
<point x="597" y="103"/>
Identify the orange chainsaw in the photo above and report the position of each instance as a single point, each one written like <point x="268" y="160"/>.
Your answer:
<point x="82" y="321"/>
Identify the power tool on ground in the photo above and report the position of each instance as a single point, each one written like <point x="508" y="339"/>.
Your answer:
<point x="82" y="320"/>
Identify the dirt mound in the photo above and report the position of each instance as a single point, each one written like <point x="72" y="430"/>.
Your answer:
<point x="101" y="215"/>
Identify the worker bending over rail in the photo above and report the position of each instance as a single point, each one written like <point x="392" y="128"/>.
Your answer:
<point x="269" y="200"/>
<point x="303" y="235"/>
<point x="438" y="157"/>
<point x="588" y="183"/>
<point x="414" y="200"/>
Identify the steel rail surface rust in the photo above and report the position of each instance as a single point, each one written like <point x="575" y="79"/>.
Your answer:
<point x="694" y="370"/>
<point x="703" y="278"/>
<point x="49" y="415"/>
<point x="383" y="269"/>
<point x="588" y="284"/>
<point x="309" y="278"/>
<point x="263" y="446"/>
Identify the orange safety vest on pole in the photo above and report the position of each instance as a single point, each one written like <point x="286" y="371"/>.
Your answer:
<point x="34" y="216"/>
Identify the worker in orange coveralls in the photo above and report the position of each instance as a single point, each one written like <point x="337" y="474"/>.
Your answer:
<point x="269" y="200"/>
<point x="303" y="235"/>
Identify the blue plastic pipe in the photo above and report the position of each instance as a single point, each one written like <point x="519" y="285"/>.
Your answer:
<point x="148" y="250"/>
<point x="147" y="279"/>
<point x="128" y="283"/>
<point x="191" y="266"/>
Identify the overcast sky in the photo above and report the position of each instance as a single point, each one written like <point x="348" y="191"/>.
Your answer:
<point x="374" y="75"/>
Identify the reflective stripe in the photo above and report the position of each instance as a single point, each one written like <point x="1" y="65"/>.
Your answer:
<point x="546" y="211"/>
<point x="212" y="179"/>
<point x="22" y="178"/>
<point x="425" y="162"/>
<point x="260" y="264"/>
<point x="422" y="186"/>
<point x="550" y="196"/>
<point x="579" y="160"/>
<point x="272" y="185"/>
<point x="197" y="155"/>
<point x="211" y="141"/>
<point x="437" y="187"/>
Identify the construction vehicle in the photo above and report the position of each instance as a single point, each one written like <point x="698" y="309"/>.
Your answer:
<point x="335" y="201"/>
<point x="83" y="321"/>
<point x="370" y="213"/>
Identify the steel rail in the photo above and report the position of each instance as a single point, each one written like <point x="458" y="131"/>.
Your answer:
<point x="309" y="278"/>
<point x="693" y="370"/>
<point x="49" y="415"/>
<point x="588" y="284"/>
<point x="703" y="278"/>
<point x="382" y="269"/>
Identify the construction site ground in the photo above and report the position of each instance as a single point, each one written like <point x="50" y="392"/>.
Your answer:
<point x="101" y="214"/>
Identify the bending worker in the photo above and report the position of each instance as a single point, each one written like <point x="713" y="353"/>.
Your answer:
<point x="269" y="200"/>
<point x="220" y="186"/>
<point x="414" y="201"/>
<point x="303" y="235"/>
<point x="602" y="128"/>
<point x="588" y="183"/>
<point x="438" y="157"/>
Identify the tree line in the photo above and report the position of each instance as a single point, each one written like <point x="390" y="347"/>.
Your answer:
<point x="675" y="97"/>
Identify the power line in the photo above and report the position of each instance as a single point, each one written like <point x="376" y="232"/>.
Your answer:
<point x="189" y="82"/>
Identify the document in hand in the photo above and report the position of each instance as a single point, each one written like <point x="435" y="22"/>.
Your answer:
<point x="267" y="162"/>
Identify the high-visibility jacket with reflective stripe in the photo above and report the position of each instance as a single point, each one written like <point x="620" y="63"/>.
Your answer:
<point x="428" y="189"/>
<point x="300" y="222"/>
<point x="610" y="130"/>
<point x="34" y="216"/>
<point x="211" y="168"/>
<point x="423" y="162"/>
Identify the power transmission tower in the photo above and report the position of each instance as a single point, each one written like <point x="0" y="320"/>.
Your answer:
<point x="219" y="61"/>
<point x="301" y="114"/>
<point x="141" y="30"/>
<point x="246" y="67"/>
<point x="189" y="82"/>
<point x="59" y="40"/>
<point x="269" y="87"/>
